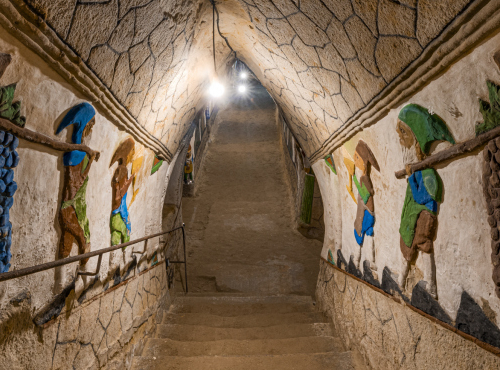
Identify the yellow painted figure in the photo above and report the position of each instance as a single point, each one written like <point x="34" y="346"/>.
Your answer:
<point x="188" y="167"/>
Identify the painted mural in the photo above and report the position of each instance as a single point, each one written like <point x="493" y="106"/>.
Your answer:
<point x="138" y="172"/>
<point x="120" y="223"/>
<point x="9" y="159"/>
<point x="417" y="129"/>
<point x="73" y="213"/>
<point x="364" y="160"/>
<point x="188" y="167"/>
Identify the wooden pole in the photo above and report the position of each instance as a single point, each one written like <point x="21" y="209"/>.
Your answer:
<point x="35" y="137"/>
<point x="452" y="152"/>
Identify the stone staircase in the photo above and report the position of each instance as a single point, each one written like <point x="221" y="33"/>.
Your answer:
<point x="240" y="332"/>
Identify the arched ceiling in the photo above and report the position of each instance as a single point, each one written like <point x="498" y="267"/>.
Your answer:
<point x="151" y="54"/>
<point x="321" y="60"/>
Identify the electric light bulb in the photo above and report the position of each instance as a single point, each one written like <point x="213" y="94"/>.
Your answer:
<point x="243" y="75"/>
<point x="216" y="89"/>
<point x="242" y="89"/>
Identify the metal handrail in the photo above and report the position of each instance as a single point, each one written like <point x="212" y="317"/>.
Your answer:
<point x="50" y="265"/>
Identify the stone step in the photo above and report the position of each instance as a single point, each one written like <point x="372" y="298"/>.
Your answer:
<point x="242" y="298"/>
<point x="199" y="333"/>
<point x="161" y="347"/>
<point x="315" y="361"/>
<point x="243" y="305"/>
<point x="244" y="321"/>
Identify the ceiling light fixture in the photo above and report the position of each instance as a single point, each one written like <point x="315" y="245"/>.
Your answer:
<point x="243" y="75"/>
<point x="242" y="89"/>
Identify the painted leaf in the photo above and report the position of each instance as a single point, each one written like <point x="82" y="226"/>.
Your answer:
<point x="9" y="110"/>
<point x="490" y="111"/>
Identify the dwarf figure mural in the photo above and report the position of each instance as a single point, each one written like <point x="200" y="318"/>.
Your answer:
<point x="418" y="128"/>
<point x="73" y="214"/>
<point x="365" y="215"/>
<point x="188" y="167"/>
<point x="120" y="224"/>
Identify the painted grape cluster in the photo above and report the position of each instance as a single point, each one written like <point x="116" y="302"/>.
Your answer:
<point x="9" y="158"/>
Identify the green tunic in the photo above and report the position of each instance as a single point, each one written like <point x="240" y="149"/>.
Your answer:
<point x="80" y="204"/>
<point x="412" y="209"/>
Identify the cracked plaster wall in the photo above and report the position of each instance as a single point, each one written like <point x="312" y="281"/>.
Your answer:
<point x="150" y="54"/>
<point x="103" y="320"/>
<point x="390" y="335"/>
<point x="462" y="245"/>
<point x="322" y="61"/>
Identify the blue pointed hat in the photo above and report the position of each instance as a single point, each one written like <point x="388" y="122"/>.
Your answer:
<point x="79" y="116"/>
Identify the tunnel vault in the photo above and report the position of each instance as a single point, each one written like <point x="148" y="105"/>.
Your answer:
<point x="332" y="66"/>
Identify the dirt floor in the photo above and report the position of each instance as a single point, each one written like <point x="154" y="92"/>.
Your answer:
<point x="240" y="231"/>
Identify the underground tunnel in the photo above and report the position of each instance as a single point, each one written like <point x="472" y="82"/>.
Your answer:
<point x="249" y="184"/>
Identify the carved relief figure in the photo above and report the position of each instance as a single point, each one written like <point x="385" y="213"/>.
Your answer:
<point x="351" y="167"/>
<point x="188" y="167"/>
<point x="365" y="215"/>
<point x="120" y="224"/>
<point x="491" y="175"/>
<point x="139" y="176"/>
<point x="417" y="128"/>
<point x="73" y="214"/>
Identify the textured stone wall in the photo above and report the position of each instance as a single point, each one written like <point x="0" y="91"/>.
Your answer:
<point x="323" y="62"/>
<point x="461" y="262"/>
<point x="55" y="319"/>
<point x="390" y="335"/>
<point x="102" y="332"/>
<point x="294" y="164"/>
<point x="149" y="54"/>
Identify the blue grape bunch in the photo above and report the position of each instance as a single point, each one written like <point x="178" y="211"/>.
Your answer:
<point x="9" y="158"/>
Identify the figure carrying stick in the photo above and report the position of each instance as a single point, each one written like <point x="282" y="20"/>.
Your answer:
<point x="120" y="224"/>
<point x="365" y="215"/>
<point x="418" y="128"/>
<point x="73" y="214"/>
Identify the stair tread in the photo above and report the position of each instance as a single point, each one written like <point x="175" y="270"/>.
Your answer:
<point x="315" y="361"/>
<point x="244" y="321"/>
<point x="201" y="333"/>
<point x="243" y="298"/>
<point x="236" y="309"/>
<point x="163" y="347"/>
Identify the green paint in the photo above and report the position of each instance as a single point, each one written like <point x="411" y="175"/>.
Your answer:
<point x="80" y="206"/>
<point x="426" y="127"/>
<point x="85" y="163"/>
<point x="411" y="209"/>
<point x="362" y="190"/>
<point x="490" y="111"/>
<point x="330" y="257"/>
<point x="119" y="232"/>
<point x="9" y="110"/>
<point x="154" y="260"/>
<point x="433" y="184"/>
<point x="307" y="199"/>
<point x="157" y="166"/>
<point x="330" y="163"/>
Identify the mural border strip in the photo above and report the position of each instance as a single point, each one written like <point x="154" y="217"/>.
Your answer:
<point x="483" y="345"/>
